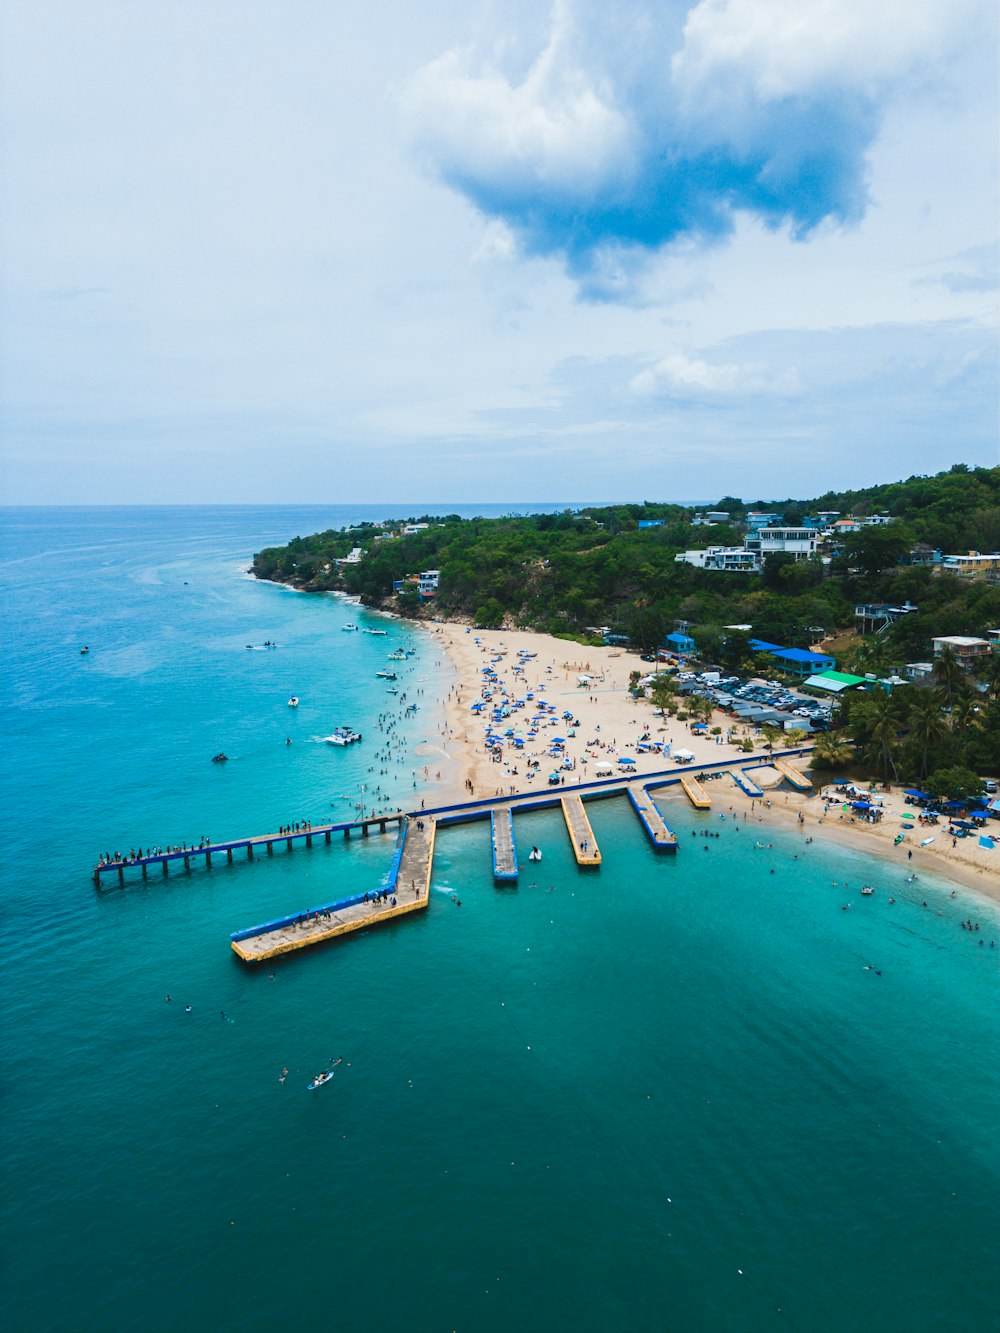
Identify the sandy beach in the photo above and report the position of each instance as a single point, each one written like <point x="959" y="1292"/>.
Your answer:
<point x="608" y="724"/>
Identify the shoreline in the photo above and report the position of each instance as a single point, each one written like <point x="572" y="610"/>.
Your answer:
<point x="611" y="723"/>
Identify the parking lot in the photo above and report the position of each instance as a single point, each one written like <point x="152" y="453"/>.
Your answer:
<point x="751" y="696"/>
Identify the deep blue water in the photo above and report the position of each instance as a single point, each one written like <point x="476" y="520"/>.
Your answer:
<point x="586" y="1104"/>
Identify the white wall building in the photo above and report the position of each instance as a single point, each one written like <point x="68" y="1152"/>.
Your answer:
<point x="799" y="542"/>
<point x="730" y="559"/>
<point x="429" y="579"/>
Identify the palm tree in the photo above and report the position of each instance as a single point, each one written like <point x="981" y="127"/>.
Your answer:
<point x="883" y="737"/>
<point x="832" y="750"/>
<point x="965" y="719"/>
<point x="771" y="734"/>
<point x="663" y="693"/>
<point x="927" y="729"/>
<point x="948" y="674"/>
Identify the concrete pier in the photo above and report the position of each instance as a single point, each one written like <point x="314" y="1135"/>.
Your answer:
<point x="581" y="835"/>
<point x="504" y="847"/>
<point x="797" y="779"/>
<point x="652" y="821"/>
<point x="695" y="792"/>
<point x="406" y="890"/>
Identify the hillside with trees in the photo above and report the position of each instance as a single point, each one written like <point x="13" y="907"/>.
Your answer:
<point x="564" y="573"/>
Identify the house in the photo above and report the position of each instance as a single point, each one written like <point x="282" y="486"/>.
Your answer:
<point x="758" y="519"/>
<point x="429" y="579"/>
<point x="682" y="644"/>
<point x="835" y="682"/>
<point x="410" y="529"/>
<point x="879" y="615"/>
<point x="964" y="648"/>
<point x="877" y="520"/>
<point x="918" y="670"/>
<point x="710" y="518"/>
<point x="800" y="542"/>
<point x="729" y="558"/>
<point x="354" y="558"/>
<point x="971" y="564"/>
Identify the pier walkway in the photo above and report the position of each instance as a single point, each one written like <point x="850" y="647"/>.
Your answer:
<point x="746" y="784"/>
<point x="267" y="841"/>
<point x="793" y="775"/>
<point x="581" y="835"/>
<point x="406" y="890"/>
<point x="652" y="821"/>
<point x="504" y="847"/>
<point x="695" y="792"/>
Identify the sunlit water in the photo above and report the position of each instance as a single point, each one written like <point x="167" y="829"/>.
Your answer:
<point x="668" y="1095"/>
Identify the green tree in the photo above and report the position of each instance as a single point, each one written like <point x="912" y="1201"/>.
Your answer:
<point x="771" y="734"/>
<point x="955" y="784"/>
<point x="928" y="730"/>
<point x="663" y="692"/>
<point x="949" y="675"/>
<point x="831" y="750"/>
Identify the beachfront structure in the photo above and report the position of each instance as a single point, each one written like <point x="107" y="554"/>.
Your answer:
<point x="964" y="648"/>
<point x="354" y="558"/>
<point x="972" y="564"/>
<point x="835" y="682"/>
<point x="800" y="542"/>
<point x="710" y="518"/>
<point x="429" y="579"/>
<point x="682" y="644"/>
<point x="796" y="661"/>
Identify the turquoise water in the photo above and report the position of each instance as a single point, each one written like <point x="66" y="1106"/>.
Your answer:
<point x="584" y="1104"/>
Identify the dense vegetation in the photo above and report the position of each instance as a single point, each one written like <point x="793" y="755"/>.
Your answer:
<point x="564" y="572"/>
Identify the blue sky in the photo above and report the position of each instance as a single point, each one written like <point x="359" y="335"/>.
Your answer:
<point x="378" y="251"/>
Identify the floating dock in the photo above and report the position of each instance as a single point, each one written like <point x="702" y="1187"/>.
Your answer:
<point x="581" y="835"/>
<point x="406" y="889"/>
<point x="746" y="783"/>
<point x="504" y="848"/>
<point x="695" y="792"/>
<point x="793" y="775"/>
<point x="652" y="821"/>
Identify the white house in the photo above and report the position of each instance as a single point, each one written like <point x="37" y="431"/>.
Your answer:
<point x="799" y="542"/>
<point x="429" y="579"/>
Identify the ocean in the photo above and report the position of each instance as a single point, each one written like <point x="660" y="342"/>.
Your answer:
<point x="680" y="1093"/>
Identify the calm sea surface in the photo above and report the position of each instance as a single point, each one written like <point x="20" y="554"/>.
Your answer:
<point x="665" y="1096"/>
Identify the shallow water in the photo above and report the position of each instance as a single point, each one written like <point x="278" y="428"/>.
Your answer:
<point x="585" y="1103"/>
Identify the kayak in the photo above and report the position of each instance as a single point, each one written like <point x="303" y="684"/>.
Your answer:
<point x="320" y="1079"/>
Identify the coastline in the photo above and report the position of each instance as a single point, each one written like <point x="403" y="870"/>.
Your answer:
<point x="610" y="717"/>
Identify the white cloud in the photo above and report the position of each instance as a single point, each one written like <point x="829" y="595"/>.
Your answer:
<point x="679" y="375"/>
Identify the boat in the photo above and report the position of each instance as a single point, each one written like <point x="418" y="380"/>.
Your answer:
<point x="342" y="736"/>
<point x="867" y="890"/>
<point x="320" y="1079"/>
<point x="534" y="854"/>
<point x="348" y="627"/>
<point x="220" y="758"/>
<point x="383" y="632"/>
<point x="390" y="690"/>
<point x="397" y="656"/>
<point x="386" y="675"/>
<point x="293" y="701"/>
<point x="84" y="652"/>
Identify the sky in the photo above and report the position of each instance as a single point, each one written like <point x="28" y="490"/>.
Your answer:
<point x="359" y="251"/>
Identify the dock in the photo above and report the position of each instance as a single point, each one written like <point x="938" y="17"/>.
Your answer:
<point x="504" y="847"/>
<point x="406" y="889"/>
<point x="652" y="821"/>
<point x="581" y="835"/>
<point x="793" y="775"/>
<point x="695" y="792"/>
<point x="262" y="841"/>
<point x="746" y="783"/>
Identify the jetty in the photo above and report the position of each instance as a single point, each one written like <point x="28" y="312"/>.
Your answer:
<point x="406" y="889"/>
<point x="793" y="775"/>
<point x="746" y="783"/>
<point x="262" y="841"/>
<point x="652" y="821"/>
<point x="581" y="835"/>
<point x="695" y="792"/>
<point x="504" y="847"/>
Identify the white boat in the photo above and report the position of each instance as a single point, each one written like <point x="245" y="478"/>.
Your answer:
<point x="348" y="627"/>
<point x="342" y="736"/>
<point x="397" y="656"/>
<point x="386" y="675"/>
<point x="293" y="701"/>
<point x="383" y="632"/>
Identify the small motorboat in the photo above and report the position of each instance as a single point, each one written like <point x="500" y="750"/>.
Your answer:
<point x="867" y="890"/>
<point x="293" y="701"/>
<point x="535" y="854"/>
<point x="220" y="758"/>
<point x="320" y="1079"/>
<point x="397" y="656"/>
<point x="348" y="627"/>
<point x="342" y="736"/>
<point x="386" y="675"/>
<point x="383" y="632"/>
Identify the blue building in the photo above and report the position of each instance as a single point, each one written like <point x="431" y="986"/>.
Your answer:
<point x="796" y="661"/>
<point x="682" y="644"/>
